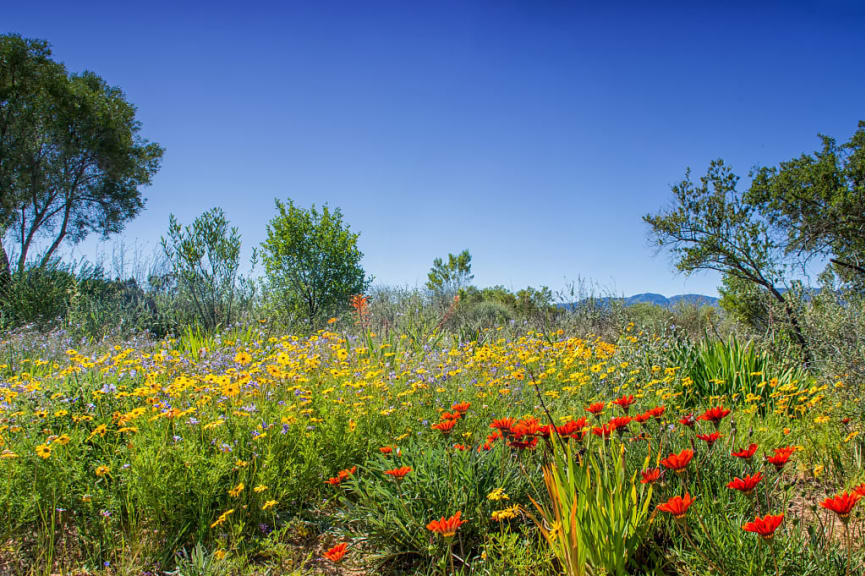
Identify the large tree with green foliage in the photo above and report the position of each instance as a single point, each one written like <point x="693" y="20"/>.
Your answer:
<point x="312" y="262"/>
<point x="714" y="227"/>
<point x="204" y="260"/>
<point x="72" y="160"/>
<point x="817" y="202"/>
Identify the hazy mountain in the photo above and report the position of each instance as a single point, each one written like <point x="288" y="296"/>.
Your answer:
<point x="660" y="300"/>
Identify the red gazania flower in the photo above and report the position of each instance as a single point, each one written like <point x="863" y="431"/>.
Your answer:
<point x="572" y="428"/>
<point x="604" y="431"/>
<point x="336" y="553"/>
<point x="714" y="415"/>
<point x="523" y="442"/>
<point x="451" y="415"/>
<point x="745" y="485"/>
<point x="765" y="526"/>
<point x="447" y="527"/>
<point x="650" y="475"/>
<point x="709" y="438"/>
<point x="386" y="450"/>
<point x="527" y="427"/>
<point x="486" y="446"/>
<point x="781" y="457"/>
<point x="398" y="473"/>
<point x="461" y="407"/>
<point x="344" y="474"/>
<point x="644" y="417"/>
<point x="461" y="447"/>
<point x="688" y="420"/>
<point x="624" y="402"/>
<point x="494" y="436"/>
<point x="657" y="411"/>
<point x="860" y="490"/>
<point x="678" y="462"/>
<point x="841" y="504"/>
<point x="445" y="426"/>
<point x="620" y="422"/>
<point x="502" y="424"/>
<point x="335" y="481"/>
<point x="677" y="506"/>
<point x="545" y="431"/>
<point x="746" y="453"/>
<point x="595" y="408"/>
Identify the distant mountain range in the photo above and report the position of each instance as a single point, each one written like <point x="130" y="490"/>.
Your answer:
<point x="658" y="300"/>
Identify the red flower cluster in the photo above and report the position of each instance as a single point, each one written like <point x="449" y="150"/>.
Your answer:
<point x="341" y="476"/>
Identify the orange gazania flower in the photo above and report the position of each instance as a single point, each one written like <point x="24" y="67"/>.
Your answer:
<point x="765" y="526"/>
<point x="445" y="426"/>
<point x="841" y="504"/>
<point x="620" y="422"/>
<point x="714" y="415"/>
<point x="624" y="402"/>
<point x="502" y="424"/>
<point x="644" y="417"/>
<point x="462" y="407"/>
<point x="604" y="431"/>
<point x="572" y="428"/>
<point x="678" y="462"/>
<point x="650" y="475"/>
<point x="447" y="527"/>
<point x="860" y="489"/>
<point x="336" y="553"/>
<point x="687" y="420"/>
<point x="595" y="408"/>
<point x="398" y="473"/>
<point x="709" y="438"/>
<point x="746" y="453"/>
<point x="677" y="506"/>
<point x="745" y="485"/>
<point x="657" y="411"/>
<point x="781" y="457"/>
<point x="386" y="450"/>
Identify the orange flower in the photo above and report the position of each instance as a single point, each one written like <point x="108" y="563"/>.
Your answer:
<point x="336" y="553"/>
<point x="359" y="302"/>
<point x="841" y="504"/>
<point x="714" y="415"/>
<point x="860" y="489"/>
<point x="398" y="473"/>
<point x="386" y="450"/>
<point x="502" y="424"/>
<point x="461" y="407"/>
<point x="624" y="403"/>
<point x="745" y="485"/>
<point x="678" y="462"/>
<point x="781" y="457"/>
<point x="677" y="506"/>
<point x="447" y="527"/>
<point x="746" y="453"/>
<point x="620" y="422"/>
<point x="657" y="411"/>
<point x="445" y="426"/>
<point x="596" y="408"/>
<point x="650" y="476"/>
<point x="709" y="438"/>
<point x="765" y="526"/>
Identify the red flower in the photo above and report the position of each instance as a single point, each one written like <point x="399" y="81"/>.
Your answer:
<point x="445" y="426"/>
<point x="860" y="489"/>
<point x="714" y="415"/>
<point x="687" y="420"/>
<point x="572" y="428"/>
<point x="765" y="526"/>
<point x="336" y="553"/>
<point x="624" y="403"/>
<point x="620" y="422"/>
<point x="494" y="436"/>
<point x="359" y="302"/>
<point x="447" y="527"/>
<point x="604" y="431"/>
<point x="451" y="415"/>
<point x="709" y="438"/>
<point x="677" y="506"/>
<point x="386" y="450"/>
<point x="335" y="481"/>
<point x="461" y="447"/>
<point x="527" y="427"/>
<point x="523" y="442"/>
<point x="746" y="453"/>
<point x="781" y="457"/>
<point x="502" y="424"/>
<point x="596" y="408"/>
<point x="678" y="462"/>
<point x="545" y="431"/>
<point x="841" y="504"/>
<point x="398" y="473"/>
<point x="344" y="474"/>
<point x="650" y="475"/>
<point x="657" y="411"/>
<point x="461" y="407"/>
<point x="745" y="485"/>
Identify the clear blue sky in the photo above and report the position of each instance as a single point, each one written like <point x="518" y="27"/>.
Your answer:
<point x="536" y="134"/>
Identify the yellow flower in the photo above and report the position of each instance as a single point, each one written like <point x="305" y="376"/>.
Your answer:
<point x="220" y="554"/>
<point x="507" y="513"/>
<point x="269" y="504"/>
<point x="818" y="471"/>
<point x="497" y="494"/>
<point x="259" y="489"/>
<point x="222" y="518"/>
<point x="235" y="492"/>
<point x="243" y="358"/>
<point x="63" y="439"/>
<point x="102" y="470"/>
<point x="8" y="455"/>
<point x="43" y="451"/>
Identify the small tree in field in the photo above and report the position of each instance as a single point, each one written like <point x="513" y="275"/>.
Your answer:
<point x="312" y="262"/>
<point x="449" y="277"/>
<point x="204" y="259"/>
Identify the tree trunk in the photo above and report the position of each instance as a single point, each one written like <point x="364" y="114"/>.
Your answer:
<point x="848" y="265"/>
<point x="794" y="325"/>
<point x="5" y="270"/>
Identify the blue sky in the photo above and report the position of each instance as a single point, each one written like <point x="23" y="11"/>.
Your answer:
<point x="535" y="134"/>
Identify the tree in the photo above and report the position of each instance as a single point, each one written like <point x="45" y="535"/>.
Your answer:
<point x="204" y="259"/>
<point x="451" y="277"/>
<point x="818" y="202"/>
<point x="72" y="160"/>
<point x="312" y="262"/>
<point x="714" y="227"/>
